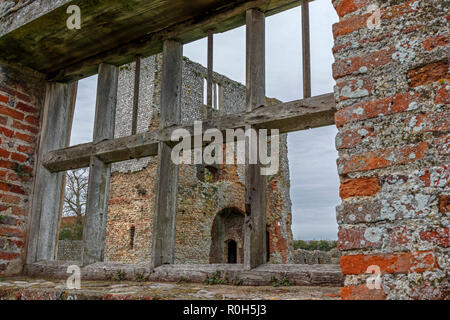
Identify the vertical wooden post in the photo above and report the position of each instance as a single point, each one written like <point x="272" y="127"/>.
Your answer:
<point x="137" y="80"/>
<point x="94" y="232"/>
<point x="48" y="187"/>
<point x="306" y="50"/>
<point x="255" y="184"/>
<point x="163" y="242"/>
<point x="210" y="68"/>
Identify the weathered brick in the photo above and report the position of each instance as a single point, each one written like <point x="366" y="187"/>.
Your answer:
<point x="431" y="43"/>
<point x="442" y="144"/>
<point x="21" y="126"/>
<point x="420" y="261"/>
<point x="353" y="89"/>
<point x="359" y="187"/>
<point x="4" y="153"/>
<point x="26" y="108"/>
<point x="368" y="61"/>
<point x="354" y="137"/>
<point x="9" y="199"/>
<point x="444" y="204"/>
<point x="32" y="120"/>
<point x="8" y="255"/>
<point x="11" y="232"/>
<point x="383" y="158"/>
<point x="443" y="94"/>
<point x="429" y="73"/>
<point x="7" y="111"/>
<point x="375" y="108"/>
<point x="6" y="132"/>
<point x="25" y="149"/>
<point x="362" y="292"/>
<point x="430" y="122"/>
<point x="350" y="25"/>
<point x="11" y="188"/>
<point x="24" y="137"/>
<point x="18" y="157"/>
<point x="435" y="177"/>
<point x="4" y="99"/>
<point x="359" y="237"/>
<point x="439" y="237"/>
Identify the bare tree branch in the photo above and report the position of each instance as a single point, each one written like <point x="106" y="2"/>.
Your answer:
<point x="76" y="193"/>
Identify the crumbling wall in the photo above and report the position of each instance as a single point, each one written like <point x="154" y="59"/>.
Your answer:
<point x="392" y="93"/>
<point x="69" y="250"/>
<point x="202" y="192"/>
<point x="21" y="98"/>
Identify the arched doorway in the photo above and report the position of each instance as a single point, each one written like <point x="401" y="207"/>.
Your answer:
<point x="227" y="237"/>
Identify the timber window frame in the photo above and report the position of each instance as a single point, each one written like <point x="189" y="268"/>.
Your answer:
<point x="54" y="155"/>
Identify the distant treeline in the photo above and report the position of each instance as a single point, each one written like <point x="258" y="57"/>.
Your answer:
<point x="322" y="245"/>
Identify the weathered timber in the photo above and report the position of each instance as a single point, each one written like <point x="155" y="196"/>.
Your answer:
<point x="137" y="81"/>
<point x="47" y="45"/>
<point x="48" y="187"/>
<point x="255" y="182"/>
<point x="287" y="117"/>
<point x="209" y="91"/>
<point x="163" y="241"/>
<point x="306" y="50"/>
<point x="326" y="275"/>
<point x="94" y="232"/>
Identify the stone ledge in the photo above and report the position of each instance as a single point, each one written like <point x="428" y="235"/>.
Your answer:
<point x="40" y="289"/>
<point x="298" y="275"/>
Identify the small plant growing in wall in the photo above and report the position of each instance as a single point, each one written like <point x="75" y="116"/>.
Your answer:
<point x="282" y="282"/>
<point x="237" y="282"/>
<point x="139" y="277"/>
<point x="183" y="280"/>
<point x="214" y="279"/>
<point x="19" y="169"/>
<point x="117" y="276"/>
<point x="141" y="191"/>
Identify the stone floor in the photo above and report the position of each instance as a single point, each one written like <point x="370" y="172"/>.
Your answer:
<point x="39" y="289"/>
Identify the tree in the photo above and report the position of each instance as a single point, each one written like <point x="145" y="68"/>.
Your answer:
<point x="75" y="195"/>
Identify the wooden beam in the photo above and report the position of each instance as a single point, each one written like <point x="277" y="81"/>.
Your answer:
<point x="306" y="49"/>
<point x="209" y="99"/>
<point x="288" y="117"/>
<point x="255" y="191"/>
<point x="94" y="232"/>
<point x="137" y="80"/>
<point x="163" y="241"/>
<point x="48" y="187"/>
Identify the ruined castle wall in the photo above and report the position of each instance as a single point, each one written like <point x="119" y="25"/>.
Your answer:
<point x="201" y="193"/>
<point x="21" y="99"/>
<point x="392" y="94"/>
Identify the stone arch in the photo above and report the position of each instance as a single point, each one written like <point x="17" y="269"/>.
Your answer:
<point x="227" y="233"/>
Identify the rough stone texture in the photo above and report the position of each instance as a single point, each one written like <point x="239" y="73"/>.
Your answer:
<point x="296" y="274"/>
<point x="21" y="97"/>
<point x="203" y="192"/>
<point x="301" y="256"/>
<point x="69" y="250"/>
<point x="38" y="289"/>
<point x="392" y="93"/>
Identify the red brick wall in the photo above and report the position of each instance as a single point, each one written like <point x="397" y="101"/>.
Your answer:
<point x="20" y="102"/>
<point x="392" y="93"/>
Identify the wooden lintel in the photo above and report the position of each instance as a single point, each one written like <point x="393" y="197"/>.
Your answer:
<point x="287" y="117"/>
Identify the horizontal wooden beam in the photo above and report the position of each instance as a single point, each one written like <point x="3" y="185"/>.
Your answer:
<point x="287" y="117"/>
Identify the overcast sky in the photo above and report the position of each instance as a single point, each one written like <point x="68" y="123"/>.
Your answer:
<point x="312" y="153"/>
